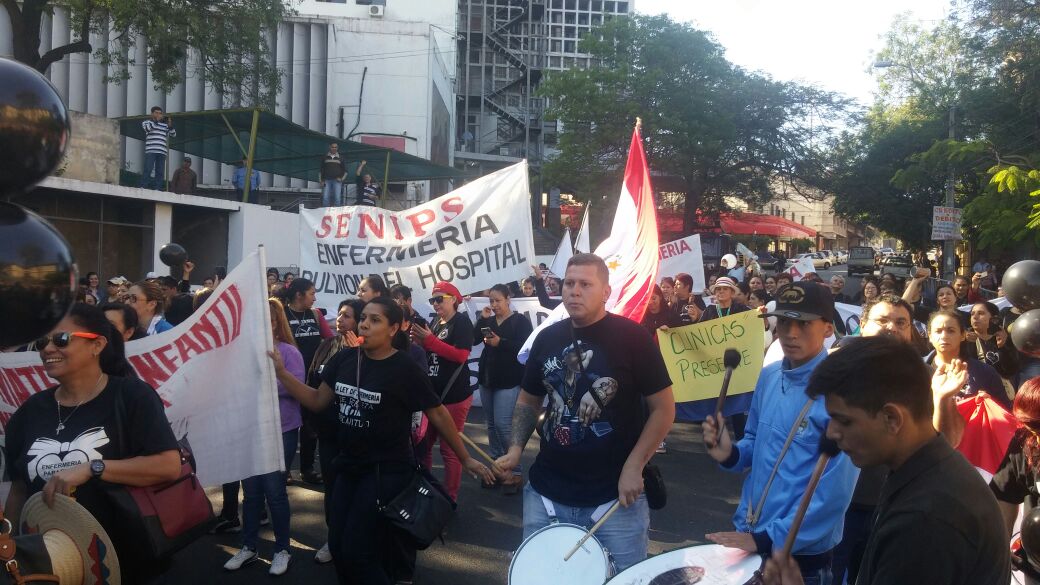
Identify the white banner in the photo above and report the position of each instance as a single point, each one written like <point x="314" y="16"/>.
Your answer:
<point x="682" y="256"/>
<point x="474" y="237"/>
<point x="212" y="373"/>
<point x="946" y="223"/>
<point x="801" y="268"/>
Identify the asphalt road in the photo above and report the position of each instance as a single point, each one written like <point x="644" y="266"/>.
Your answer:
<point x="487" y="526"/>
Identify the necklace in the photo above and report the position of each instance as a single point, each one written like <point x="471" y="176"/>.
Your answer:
<point x="61" y="423"/>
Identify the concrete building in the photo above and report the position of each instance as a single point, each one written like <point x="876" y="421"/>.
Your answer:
<point x="375" y="72"/>
<point x="505" y="47"/>
<point x="834" y="232"/>
<point x="379" y="73"/>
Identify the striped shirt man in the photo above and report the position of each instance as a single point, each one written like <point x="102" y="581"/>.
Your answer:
<point x="156" y="135"/>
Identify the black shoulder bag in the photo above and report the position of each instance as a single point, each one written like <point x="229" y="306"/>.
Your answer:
<point x="653" y="480"/>
<point x="423" y="509"/>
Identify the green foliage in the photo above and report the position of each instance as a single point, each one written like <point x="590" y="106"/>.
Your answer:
<point x="984" y="62"/>
<point x="226" y="41"/>
<point x="711" y="129"/>
<point x="800" y="245"/>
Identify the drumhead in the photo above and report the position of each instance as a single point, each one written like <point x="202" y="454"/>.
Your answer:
<point x="539" y="560"/>
<point x="711" y="563"/>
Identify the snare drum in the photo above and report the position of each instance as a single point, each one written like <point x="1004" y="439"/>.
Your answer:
<point x="709" y="564"/>
<point x="539" y="560"/>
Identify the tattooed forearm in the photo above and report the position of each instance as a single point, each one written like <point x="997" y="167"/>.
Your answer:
<point x="525" y="417"/>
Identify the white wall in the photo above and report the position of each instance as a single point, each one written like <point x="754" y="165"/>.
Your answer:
<point x="253" y="225"/>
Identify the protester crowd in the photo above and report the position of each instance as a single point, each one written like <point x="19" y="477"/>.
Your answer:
<point x="373" y="395"/>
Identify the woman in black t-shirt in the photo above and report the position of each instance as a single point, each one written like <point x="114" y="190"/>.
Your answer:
<point x="447" y="346"/>
<point x="1015" y="482"/>
<point x="69" y="438"/>
<point x="376" y="389"/>
<point x="687" y="307"/>
<point x="503" y="332"/>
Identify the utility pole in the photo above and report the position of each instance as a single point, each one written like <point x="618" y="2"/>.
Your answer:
<point x="950" y="246"/>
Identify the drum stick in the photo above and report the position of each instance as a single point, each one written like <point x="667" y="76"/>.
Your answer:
<point x="730" y="359"/>
<point x="477" y="448"/>
<point x="828" y="449"/>
<point x="593" y="530"/>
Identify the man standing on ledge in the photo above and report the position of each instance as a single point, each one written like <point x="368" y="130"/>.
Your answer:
<point x="157" y="133"/>
<point x="332" y="173"/>
<point x="780" y="444"/>
<point x="597" y="368"/>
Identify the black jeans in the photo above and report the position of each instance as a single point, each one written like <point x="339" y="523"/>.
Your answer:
<point x="308" y="443"/>
<point x="328" y="449"/>
<point x="364" y="546"/>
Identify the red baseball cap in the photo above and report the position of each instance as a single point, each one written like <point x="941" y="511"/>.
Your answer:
<point x="447" y="288"/>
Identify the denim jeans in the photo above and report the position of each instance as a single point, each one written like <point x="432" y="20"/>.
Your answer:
<point x="154" y="163"/>
<point x="269" y="487"/>
<point x="498" y="413"/>
<point x="332" y="193"/>
<point x="625" y="534"/>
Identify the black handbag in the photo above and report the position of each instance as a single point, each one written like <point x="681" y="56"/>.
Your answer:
<point x="653" y="486"/>
<point x="421" y="511"/>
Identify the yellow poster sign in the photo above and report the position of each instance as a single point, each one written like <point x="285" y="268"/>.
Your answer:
<point x="694" y="355"/>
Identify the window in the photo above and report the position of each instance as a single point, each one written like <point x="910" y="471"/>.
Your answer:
<point x="583" y="18"/>
<point x="554" y="62"/>
<point x="568" y="46"/>
<point x="608" y="6"/>
<point x="556" y="17"/>
<point x="555" y="46"/>
<point x="569" y="32"/>
<point x="622" y="7"/>
<point x="597" y="5"/>
<point x="569" y="18"/>
<point x="583" y="4"/>
<point x="597" y="19"/>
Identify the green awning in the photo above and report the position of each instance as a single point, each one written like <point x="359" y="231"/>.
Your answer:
<point x="282" y="147"/>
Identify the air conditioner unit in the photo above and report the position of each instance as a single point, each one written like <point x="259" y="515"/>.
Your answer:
<point x="376" y="11"/>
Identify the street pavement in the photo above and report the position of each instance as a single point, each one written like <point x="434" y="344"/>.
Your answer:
<point x="486" y="528"/>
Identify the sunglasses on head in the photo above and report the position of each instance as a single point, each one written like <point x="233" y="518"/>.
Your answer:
<point x="440" y="299"/>
<point x="62" y="339"/>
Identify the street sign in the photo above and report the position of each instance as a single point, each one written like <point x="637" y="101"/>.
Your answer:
<point x="946" y="223"/>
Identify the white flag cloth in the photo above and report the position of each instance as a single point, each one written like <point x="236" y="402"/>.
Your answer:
<point x="581" y="244"/>
<point x="631" y="251"/>
<point x="212" y="373"/>
<point x="563" y="254"/>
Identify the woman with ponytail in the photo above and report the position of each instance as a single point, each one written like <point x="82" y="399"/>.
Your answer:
<point x="84" y="354"/>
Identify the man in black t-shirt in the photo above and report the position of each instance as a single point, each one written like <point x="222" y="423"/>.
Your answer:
<point x="597" y="369"/>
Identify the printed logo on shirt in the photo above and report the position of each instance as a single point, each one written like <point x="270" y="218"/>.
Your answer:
<point x="570" y="386"/>
<point x="49" y="456"/>
<point x="305" y="328"/>
<point x="355" y="403"/>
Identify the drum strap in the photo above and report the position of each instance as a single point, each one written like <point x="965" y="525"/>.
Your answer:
<point x="598" y="513"/>
<point x="754" y="514"/>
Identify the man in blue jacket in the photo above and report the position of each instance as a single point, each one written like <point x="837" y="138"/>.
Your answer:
<point x="780" y="444"/>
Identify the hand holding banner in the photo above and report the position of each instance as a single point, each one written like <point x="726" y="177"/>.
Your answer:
<point x="694" y="356"/>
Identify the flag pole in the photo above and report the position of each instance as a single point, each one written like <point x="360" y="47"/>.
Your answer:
<point x="639" y="123"/>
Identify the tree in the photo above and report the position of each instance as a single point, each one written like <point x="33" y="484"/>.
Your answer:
<point x="225" y="41"/>
<point x="712" y="130"/>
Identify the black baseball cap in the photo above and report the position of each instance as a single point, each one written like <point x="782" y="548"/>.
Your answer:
<point x="803" y="301"/>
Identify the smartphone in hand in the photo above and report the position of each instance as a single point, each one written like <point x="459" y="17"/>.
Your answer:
<point x="485" y="331"/>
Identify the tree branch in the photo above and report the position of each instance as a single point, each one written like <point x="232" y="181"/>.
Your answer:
<point x="81" y="46"/>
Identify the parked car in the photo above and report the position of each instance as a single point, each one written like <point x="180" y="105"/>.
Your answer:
<point x="842" y="256"/>
<point x="769" y="262"/>
<point x="898" y="265"/>
<point x="887" y="251"/>
<point x="861" y="260"/>
<point x="818" y="260"/>
<point x="829" y="255"/>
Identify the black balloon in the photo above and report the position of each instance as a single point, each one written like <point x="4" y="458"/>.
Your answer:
<point x="1025" y="333"/>
<point x="1031" y="536"/>
<point x="34" y="126"/>
<point x="1021" y="284"/>
<point x="37" y="276"/>
<point x="173" y="254"/>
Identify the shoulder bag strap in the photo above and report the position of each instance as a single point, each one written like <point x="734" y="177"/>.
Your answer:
<point x="754" y="514"/>
<point x="458" y="370"/>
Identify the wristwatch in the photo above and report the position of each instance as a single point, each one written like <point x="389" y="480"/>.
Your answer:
<point x="97" y="467"/>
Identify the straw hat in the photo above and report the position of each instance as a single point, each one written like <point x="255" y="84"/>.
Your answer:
<point x="81" y="551"/>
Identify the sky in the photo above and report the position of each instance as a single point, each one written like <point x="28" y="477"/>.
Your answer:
<point x="827" y="43"/>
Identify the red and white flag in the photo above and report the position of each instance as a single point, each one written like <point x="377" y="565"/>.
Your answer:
<point x="631" y="251"/>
